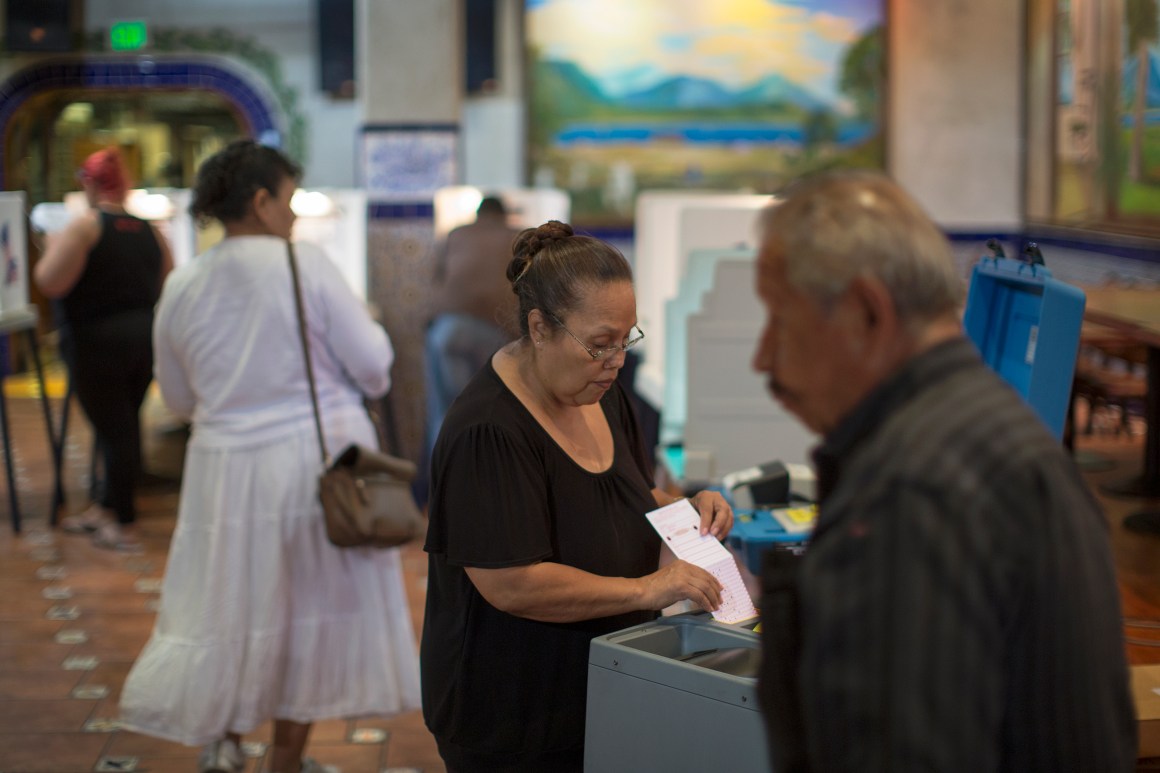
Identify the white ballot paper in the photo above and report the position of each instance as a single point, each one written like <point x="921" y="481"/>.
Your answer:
<point x="679" y="525"/>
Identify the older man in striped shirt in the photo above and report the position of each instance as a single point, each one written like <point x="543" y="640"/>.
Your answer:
<point x="957" y="607"/>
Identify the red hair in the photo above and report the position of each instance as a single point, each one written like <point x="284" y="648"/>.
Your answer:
<point x="106" y="171"/>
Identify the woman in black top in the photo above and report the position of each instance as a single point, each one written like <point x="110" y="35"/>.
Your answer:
<point x="538" y="539"/>
<point x="106" y="267"/>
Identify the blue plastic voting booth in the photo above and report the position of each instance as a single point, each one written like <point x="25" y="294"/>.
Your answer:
<point x="1027" y="326"/>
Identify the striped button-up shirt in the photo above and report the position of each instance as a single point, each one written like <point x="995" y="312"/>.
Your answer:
<point x="957" y="607"/>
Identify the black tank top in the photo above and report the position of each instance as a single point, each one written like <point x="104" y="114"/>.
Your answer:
<point x="123" y="272"/>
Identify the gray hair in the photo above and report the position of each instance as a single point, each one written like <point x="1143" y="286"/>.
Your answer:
<point x="836" y="226"/>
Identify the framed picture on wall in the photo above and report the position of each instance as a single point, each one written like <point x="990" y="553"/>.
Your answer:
<point x="700" y="94"/>
<point x="1106" y="165"/>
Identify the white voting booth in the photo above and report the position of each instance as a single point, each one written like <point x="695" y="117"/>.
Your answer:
<point x="732" y="422"/>
<point x="334" y="219"/>
<point x="19" y="315"/>
<point x="455" y="205"/>
<point x="695" y="288"/>
<point x="668" y="226"/>
<point x="13" y="256"/>
<point x="165" y="208"/>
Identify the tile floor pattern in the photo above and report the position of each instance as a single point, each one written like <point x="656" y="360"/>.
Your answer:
<point x="73" y="617"/>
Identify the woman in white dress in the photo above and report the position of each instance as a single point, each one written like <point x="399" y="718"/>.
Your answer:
<point x="261" y="617"/>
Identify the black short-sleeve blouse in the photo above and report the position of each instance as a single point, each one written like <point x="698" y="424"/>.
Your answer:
<point x="503" y="493"/>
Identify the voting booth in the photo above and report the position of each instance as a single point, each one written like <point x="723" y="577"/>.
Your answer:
<point x="456" y="205"/>
<point x="732" y="421"/>
<point x="669" y="226"/>
<point x="13" y="254"/>
<point x="1026" y="324"/>
<point x="678" y="693"/>
<point x="167" y="209"/>
<point x="694" y="269"/>
<point x="333" y="218"/>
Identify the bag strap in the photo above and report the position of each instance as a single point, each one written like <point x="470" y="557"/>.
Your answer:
<point x="300" y="308"/>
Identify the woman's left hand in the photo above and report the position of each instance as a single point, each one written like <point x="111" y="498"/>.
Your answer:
<point x="716" y="514"/>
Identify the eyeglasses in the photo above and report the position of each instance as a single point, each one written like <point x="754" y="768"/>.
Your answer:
<point x="608" y="351"/>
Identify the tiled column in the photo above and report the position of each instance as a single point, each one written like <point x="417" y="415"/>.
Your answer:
<point x="409" y="77"/>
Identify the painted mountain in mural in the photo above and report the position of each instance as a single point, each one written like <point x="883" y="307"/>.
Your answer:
<point x="572" y="88"/>
<point x="681" y="93"/>
<point x="777" y="89"/>
<point x="569" y="86"/>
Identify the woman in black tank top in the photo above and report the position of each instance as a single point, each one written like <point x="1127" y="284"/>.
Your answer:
<point x="105" y="268"/>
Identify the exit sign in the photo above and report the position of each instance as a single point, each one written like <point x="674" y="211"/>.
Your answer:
<point x="128" y="35"/>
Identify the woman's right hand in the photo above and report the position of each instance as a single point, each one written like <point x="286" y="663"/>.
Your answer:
<point x="678" y="581"/>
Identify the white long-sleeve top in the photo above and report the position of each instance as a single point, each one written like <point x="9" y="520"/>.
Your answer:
<point x="227" y="353"/>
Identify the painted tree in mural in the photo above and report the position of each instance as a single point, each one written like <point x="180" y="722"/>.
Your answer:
<point x="862" y="73"/>
<point x="1143" y="29"/>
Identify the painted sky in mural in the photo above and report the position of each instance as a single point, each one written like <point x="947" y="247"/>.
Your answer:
<point x="628" y="47"/>
<point x="724" y="94"/>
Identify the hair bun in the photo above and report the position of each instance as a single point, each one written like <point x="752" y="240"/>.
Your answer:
<point x="529" y="244"/>
<point x="536" y="239"/>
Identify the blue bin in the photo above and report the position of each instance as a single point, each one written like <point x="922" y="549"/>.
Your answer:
<point x="1027" y="326"/>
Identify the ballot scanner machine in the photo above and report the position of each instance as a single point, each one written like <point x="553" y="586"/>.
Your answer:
<point x="676" y="694"/>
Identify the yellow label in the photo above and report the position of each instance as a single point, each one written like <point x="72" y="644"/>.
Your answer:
<point x="802" y="515"/>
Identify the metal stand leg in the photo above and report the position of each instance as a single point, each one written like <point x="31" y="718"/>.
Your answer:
<point x="13" y="498"/>
<point x="58" y="497"/>
<point x="57" y="446"/>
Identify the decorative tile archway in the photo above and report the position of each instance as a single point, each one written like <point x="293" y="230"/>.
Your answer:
<point x="257" y="108"/>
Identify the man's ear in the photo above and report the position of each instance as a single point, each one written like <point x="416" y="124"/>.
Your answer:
<point x="873" y="319"/>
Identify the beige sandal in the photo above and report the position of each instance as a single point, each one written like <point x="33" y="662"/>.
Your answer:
<point x="110" y="537"/>
<point x="86" y="522"/>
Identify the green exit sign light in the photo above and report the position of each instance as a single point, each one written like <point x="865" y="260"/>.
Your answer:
<point x="128" y="35"/>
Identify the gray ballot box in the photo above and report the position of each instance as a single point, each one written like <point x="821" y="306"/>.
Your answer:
<point x="677" y="694"/>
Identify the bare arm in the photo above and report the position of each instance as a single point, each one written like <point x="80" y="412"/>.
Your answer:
<point x="66" y="254"/>
<point x="556" y="593"/>
<point x="166" y="254"/>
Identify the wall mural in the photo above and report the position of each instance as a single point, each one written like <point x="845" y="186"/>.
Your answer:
<point x="706" y="94"/>
<point x="1107" y="167"/>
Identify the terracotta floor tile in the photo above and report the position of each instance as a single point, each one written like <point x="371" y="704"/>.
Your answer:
<point x="98" y="580"/>
<point x="43" y="716"/>
<point x="330" y="731"/>
<point x="126" y="744"/>
<point x="110" y="674"/>
<point x="30" y="607"/>
<point x="113" y="603"/>
<point x="36" y="656"/>
<point x="62" y="753"/>
<point x="29" y="630"/>
<point x="38" y="685"/>
<point x="116" y="636"/>
<point x="347" y="757"/>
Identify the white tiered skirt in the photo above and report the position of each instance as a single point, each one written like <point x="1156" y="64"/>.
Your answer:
<point x="261" y="617"/>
